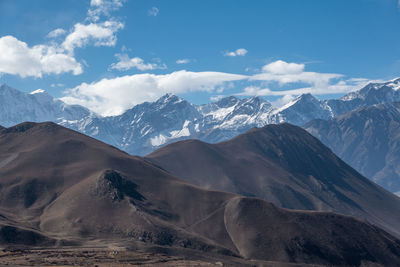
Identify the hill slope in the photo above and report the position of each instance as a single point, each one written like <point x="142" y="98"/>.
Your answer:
<point x="285" y="165"/>
<point x="57" y="184"/>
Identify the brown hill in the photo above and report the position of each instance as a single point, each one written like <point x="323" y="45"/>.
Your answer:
<point x="285" y="165"/>
<point x="60" y="187"/>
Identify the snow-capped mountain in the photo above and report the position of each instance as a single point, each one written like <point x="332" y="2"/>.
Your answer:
<point x="301" y="110"/>
<point x="306" y="107"/>
<point x="230" y="116"/>
<point x="147" y="126"/>
<point x="37" y="106"/>
<point x="151" y="125"/>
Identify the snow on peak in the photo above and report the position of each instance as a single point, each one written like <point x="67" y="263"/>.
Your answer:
<point x="301" y="98"/>
<point x="169" y="98"/>
<point x="395" y="84"/>
<point x="38" y="91"/>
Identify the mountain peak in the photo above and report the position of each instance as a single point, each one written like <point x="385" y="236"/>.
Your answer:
<point x="169" y="98"/>
<point x="255" y="99"/>
<point x="38" y="91"/>
<point x="395" y="84"/>
<point x="306" y="96"/>
<point x="6" y="88"/>
<point x="227" y="101"/>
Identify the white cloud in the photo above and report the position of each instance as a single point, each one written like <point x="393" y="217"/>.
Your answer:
<point x="53" y="85"/>
<point x="237" y="52"/>
<point x="183" y="61"/>
<point x="282" y="67"/>
<point x="256" y="91"/>
<point x="343" y="86"/>
<point x="17" y="58"/>
<point x="285" y="73"/>
<point x="126" y="63"/>
<point x="282" y="101"/>
<point x="55" y="33"/>
<point x="216" y="98"/>
<point x="293" y="74"/>
<point x="103" y="7"/>
<point x="96" y="2"/>
<point x="153" y="11"/>
<point x="114" y="96"/>
<point x="101" y="34"/>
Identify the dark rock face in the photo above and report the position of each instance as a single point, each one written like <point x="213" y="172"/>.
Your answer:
<point x="368" y="139"/>
<point x="114" y="185"/>
<point x="11" y="235"/>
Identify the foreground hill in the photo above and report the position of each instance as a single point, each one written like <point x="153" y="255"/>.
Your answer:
<point x="59" y="187"/>
<point x="368" y="139"/>
<point x="285" y="165"/>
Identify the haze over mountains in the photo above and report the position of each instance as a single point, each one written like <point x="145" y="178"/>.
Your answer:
<point x="368" y="139"/>
<point x="58" y="186"/>
<point x="148" y="126"/>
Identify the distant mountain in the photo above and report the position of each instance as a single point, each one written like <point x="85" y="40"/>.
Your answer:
<point x="61" y="188"/>
<point x="148" y="126"/>
<point x="306" y="107"/>
<point x="302" y="109"/>
<point x="38" y="106"/>
<point x="368" y="139"/>
<point x="173" y="118"/>
<point x="285" y="165"/>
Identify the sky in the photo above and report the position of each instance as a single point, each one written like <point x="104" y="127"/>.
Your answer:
<point x="109" y="55"/>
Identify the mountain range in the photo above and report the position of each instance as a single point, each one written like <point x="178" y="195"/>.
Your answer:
<point x="61" y="188"/>
<point x="150" y="125"/>
<point x="351" y="126"/>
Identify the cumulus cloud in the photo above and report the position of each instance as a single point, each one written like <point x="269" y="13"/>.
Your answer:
<point x="153" y="11"/>
<point x="237" y="52"/>
<point x="282" y="101"/>
<point x="183" y="61"/>
<point x="286" y="73"/>
<point x="101" y="34"/>
<point x="343" y="86"/>
<point x="294" y="75"/>
<point x="216" y="98"/>
<point x="282" y="67"/>
<point x="56" y="33"/>
<point x="17" y="58"/>
<point x="126" y="63"/>
<point x="103" y="7"/>
<point x="114" y="96"/>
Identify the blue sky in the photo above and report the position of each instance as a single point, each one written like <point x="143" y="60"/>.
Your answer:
<point x="111" y="54"/>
